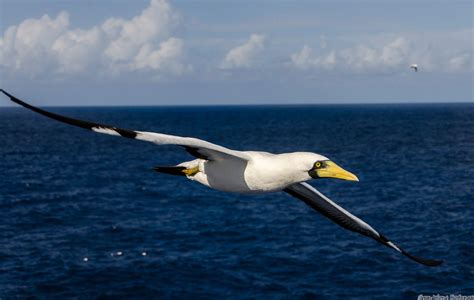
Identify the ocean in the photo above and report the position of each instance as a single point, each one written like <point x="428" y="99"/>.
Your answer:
<point x="83" y="216"/>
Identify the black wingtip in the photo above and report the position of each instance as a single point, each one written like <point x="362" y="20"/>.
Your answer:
<point x="3" y="91"/>
<point x="423" y="261"/>
<point x="74" y="122"/>
<point x="427" y="262"/>
<point x="13" y="98"/>
<point x="6" y="93"/>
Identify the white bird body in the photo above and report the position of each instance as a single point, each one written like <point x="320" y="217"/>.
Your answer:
<point x="263" y="172"/>
<point x="229" y="170"/>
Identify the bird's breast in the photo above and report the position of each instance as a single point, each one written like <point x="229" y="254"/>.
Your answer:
<point x="267" y="177"/>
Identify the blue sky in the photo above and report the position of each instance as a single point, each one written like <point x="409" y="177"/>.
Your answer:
<point x="161" y="52"/>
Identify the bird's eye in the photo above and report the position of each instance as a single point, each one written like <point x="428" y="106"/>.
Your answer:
<point x="318" y="164"/>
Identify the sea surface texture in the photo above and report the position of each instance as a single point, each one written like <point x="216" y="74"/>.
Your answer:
<point x="83" y="216"/>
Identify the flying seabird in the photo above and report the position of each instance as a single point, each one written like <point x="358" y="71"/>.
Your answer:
<point x="229" y="170"/>
<point x="414" y="67"/>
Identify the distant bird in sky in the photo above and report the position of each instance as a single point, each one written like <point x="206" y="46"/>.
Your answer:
<point x="414" y="67"/>
<point x="229" y="170"/>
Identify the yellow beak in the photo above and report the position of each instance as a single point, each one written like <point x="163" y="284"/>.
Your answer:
<point x="331" y="170"/>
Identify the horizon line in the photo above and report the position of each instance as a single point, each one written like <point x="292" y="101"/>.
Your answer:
<point x="250" y="104"/>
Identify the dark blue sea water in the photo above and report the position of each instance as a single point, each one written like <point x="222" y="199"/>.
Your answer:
<point x="67" y="194"/>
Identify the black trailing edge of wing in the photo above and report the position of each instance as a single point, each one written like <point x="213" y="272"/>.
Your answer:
<point x="75" y="122"/>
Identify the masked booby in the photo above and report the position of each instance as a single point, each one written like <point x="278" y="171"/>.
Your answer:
<point x="229" y="170"/>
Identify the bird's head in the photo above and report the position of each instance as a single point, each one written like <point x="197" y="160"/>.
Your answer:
<point x="322" y="167"/>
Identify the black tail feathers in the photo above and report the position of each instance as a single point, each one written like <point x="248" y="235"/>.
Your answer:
<point x="170" y="170"/>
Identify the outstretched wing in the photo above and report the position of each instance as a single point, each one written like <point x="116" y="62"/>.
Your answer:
<point x="342" y="217"/>
<point x="196" y="147"/>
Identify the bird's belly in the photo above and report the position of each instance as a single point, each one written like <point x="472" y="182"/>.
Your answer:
<point x="227" y="176"/>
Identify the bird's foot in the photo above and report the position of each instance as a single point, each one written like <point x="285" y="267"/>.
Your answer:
<point x="191" y="172"/>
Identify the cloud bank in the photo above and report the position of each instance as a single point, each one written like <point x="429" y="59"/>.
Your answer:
<point x="395" y="55"/>
<point x="47" y="47"/>
<point x="143" y="43"/>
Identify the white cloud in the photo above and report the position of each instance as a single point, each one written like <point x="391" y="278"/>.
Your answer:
<point x="359" y="58"/>
<point x="144" y="42"/>
<point x="244" y="55"/>
<point x="127" y="37"/>
<point x="27" y="47"/>
<point x="78" y="50"/>
<point x="397" y="54"/>
<point x="306" y="60"/>
<point x="166" y="57"/>
<point x="365" y="58"/>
